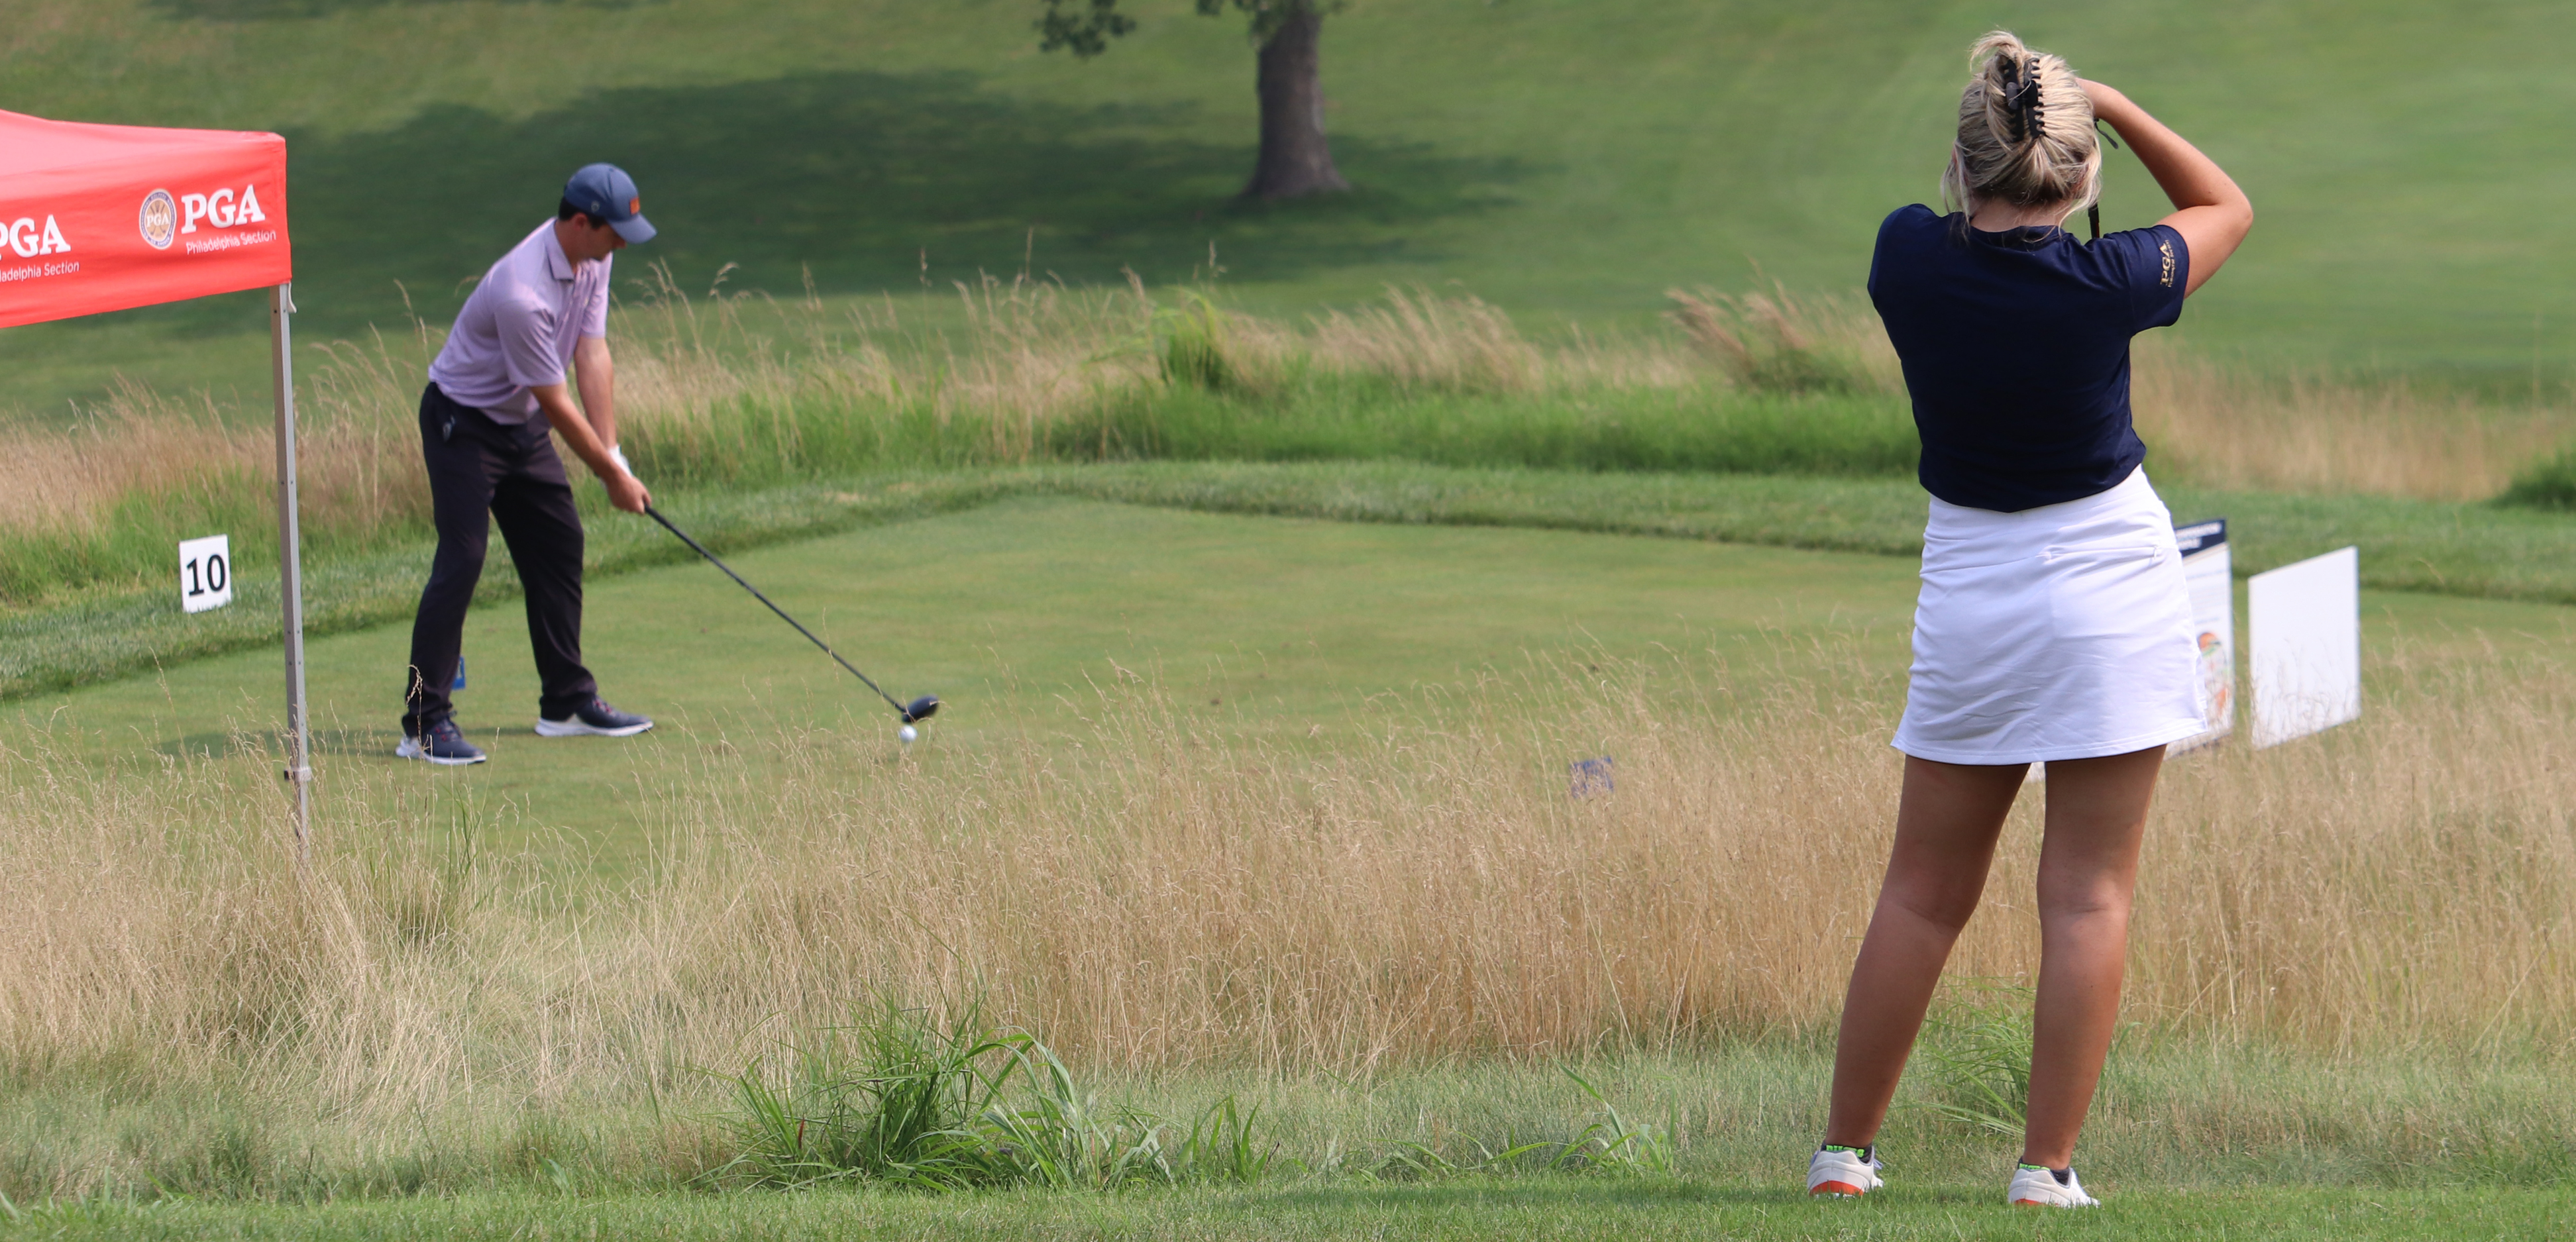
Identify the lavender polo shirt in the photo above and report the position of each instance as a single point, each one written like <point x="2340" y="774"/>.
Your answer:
<point x="519" y="326"/>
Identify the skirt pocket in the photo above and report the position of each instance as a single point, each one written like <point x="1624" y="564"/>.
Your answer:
<point x="2122" y="592"/>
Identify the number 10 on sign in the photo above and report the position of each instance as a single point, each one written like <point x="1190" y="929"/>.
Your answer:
<point x="205" y="572"/>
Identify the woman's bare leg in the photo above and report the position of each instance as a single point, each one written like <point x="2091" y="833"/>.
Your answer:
<point x="2088" y="865"/>
<point x="1946" y="825"/>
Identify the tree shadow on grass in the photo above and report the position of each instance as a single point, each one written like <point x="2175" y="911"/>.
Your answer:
<point x="288" y="10"/>
<point x="863" y="178"/>
<point x="872" y="181"/>
<point x="360" y="741"/>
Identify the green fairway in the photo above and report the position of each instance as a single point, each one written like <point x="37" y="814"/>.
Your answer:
<point x="1015" y="613"/>
<point x="1545" y="1208"/>
<point x="2473" y="550"/>
<point x="1277" y="627"/>
<point x="1569" y="158"/>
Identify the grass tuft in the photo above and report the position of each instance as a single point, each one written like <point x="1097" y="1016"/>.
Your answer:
<point x="886" y="1099"/>
<point x="1977" y="1048"/>
<point x="902" y="1100"/>
<point x="1778" y="342"/>
<point x="1195" y="351"/>
<point x="2548" y="484"/>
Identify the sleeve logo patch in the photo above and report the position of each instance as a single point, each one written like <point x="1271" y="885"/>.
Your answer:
<point x="2165" y="248"/>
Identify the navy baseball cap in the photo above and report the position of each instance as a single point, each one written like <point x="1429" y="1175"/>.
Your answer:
<point x="605" y="193"/>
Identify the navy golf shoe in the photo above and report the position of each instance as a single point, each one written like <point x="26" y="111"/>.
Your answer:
<point x="594" y="719"/>
<point x="443" y="744"/>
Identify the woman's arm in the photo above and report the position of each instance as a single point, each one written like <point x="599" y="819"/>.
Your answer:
<point x="2212" y="215"/>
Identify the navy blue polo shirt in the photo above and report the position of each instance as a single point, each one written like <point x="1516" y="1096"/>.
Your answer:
<point x="2016" y="351"/>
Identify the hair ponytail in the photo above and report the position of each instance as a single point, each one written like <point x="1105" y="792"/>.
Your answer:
<point x="2025" y="132"/>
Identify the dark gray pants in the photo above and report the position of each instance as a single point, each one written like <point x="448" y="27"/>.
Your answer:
<point x="480" y="472"/>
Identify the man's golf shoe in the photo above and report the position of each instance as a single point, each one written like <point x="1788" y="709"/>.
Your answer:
<point x="594" y="719"/>
<point x="443" y="744"/>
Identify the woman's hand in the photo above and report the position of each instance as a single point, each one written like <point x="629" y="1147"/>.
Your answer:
<point x="2107" y="100"/>
<point x="2212" y="215"/>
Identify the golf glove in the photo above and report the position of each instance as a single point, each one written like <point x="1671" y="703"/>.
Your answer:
<point x="617" y="455"/>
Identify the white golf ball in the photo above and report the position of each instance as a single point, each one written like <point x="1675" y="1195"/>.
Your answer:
<point x="906" y="733"/>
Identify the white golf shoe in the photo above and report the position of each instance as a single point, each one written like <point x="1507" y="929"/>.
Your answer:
<point x="1844" y="1174"/>
<point x="2048" y="1188"/>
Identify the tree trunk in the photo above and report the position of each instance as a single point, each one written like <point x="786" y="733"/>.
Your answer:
<point x="1295" y="160"/>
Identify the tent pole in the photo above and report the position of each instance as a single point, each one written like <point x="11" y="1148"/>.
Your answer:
<point x="290" y="565"/>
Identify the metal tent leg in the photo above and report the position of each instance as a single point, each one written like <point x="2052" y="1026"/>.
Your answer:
<point x="290" y="566"/>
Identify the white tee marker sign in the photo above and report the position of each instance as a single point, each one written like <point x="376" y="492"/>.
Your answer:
<point x="2207" y="573"/>
<point x="2306" y="631"/>
<point x="205" y="572"/>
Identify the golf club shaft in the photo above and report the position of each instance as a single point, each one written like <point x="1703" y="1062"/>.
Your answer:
<point x="700" y="549"/>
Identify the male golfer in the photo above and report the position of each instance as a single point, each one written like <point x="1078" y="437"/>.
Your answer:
<point x="495" y="389"/>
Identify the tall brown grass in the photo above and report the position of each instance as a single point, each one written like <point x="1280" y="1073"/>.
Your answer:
<point x="997" y="365"/>
<point x="2206" y="424"/>
<point x="1157" y="894"/>
<point x="99" y="497"/>
<point x="1006" y="358"/>
<point x="53" y="482"/>
<point x="1781" y="340"/>
<point x="2304" y="433"/>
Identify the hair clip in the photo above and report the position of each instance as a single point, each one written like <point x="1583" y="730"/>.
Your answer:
<point x="2021" y="98"/>
<point x="2030" y="96"/>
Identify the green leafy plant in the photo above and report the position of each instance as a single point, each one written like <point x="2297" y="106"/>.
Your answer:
<point x="2549" y="483"/>
<point x="1220" y="1146"/>
<point x="1194" y="348"/>
<point x="1056" y="1134"/>
<point x="1615" y="1144"/>
<point x="1977" y="1047"/>
<point x="883" y="1099"/>
<point x="902" y="1100"/>
<point x="1611" y="1144"/>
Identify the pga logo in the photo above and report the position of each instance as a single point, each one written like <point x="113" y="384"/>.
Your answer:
<point x="26" y="240"/>
<point x="164" y="216"/>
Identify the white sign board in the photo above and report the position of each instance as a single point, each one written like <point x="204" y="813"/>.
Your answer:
<point x="2208" y="574"/>
<point x="2306" y="632"/>
<point x="205" y="572"/>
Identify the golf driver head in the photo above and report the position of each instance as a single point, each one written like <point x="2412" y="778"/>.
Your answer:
<point x="921" y="709"/>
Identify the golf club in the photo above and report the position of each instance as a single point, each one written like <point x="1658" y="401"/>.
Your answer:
<point x="919" y="709"/>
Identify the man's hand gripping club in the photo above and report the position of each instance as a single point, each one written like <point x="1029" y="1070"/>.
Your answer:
<point x="593" y="439"/>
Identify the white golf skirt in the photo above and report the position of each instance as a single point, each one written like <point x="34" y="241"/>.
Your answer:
<point x="2061" y="632"/>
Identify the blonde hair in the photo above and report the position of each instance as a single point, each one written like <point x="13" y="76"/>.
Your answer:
<point x="2025" y="132"/>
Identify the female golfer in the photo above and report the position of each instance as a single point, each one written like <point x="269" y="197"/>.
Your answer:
<point x="2052" y="625"/>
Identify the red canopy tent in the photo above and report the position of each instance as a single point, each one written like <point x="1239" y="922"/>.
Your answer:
<point x="103" y="217"/>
